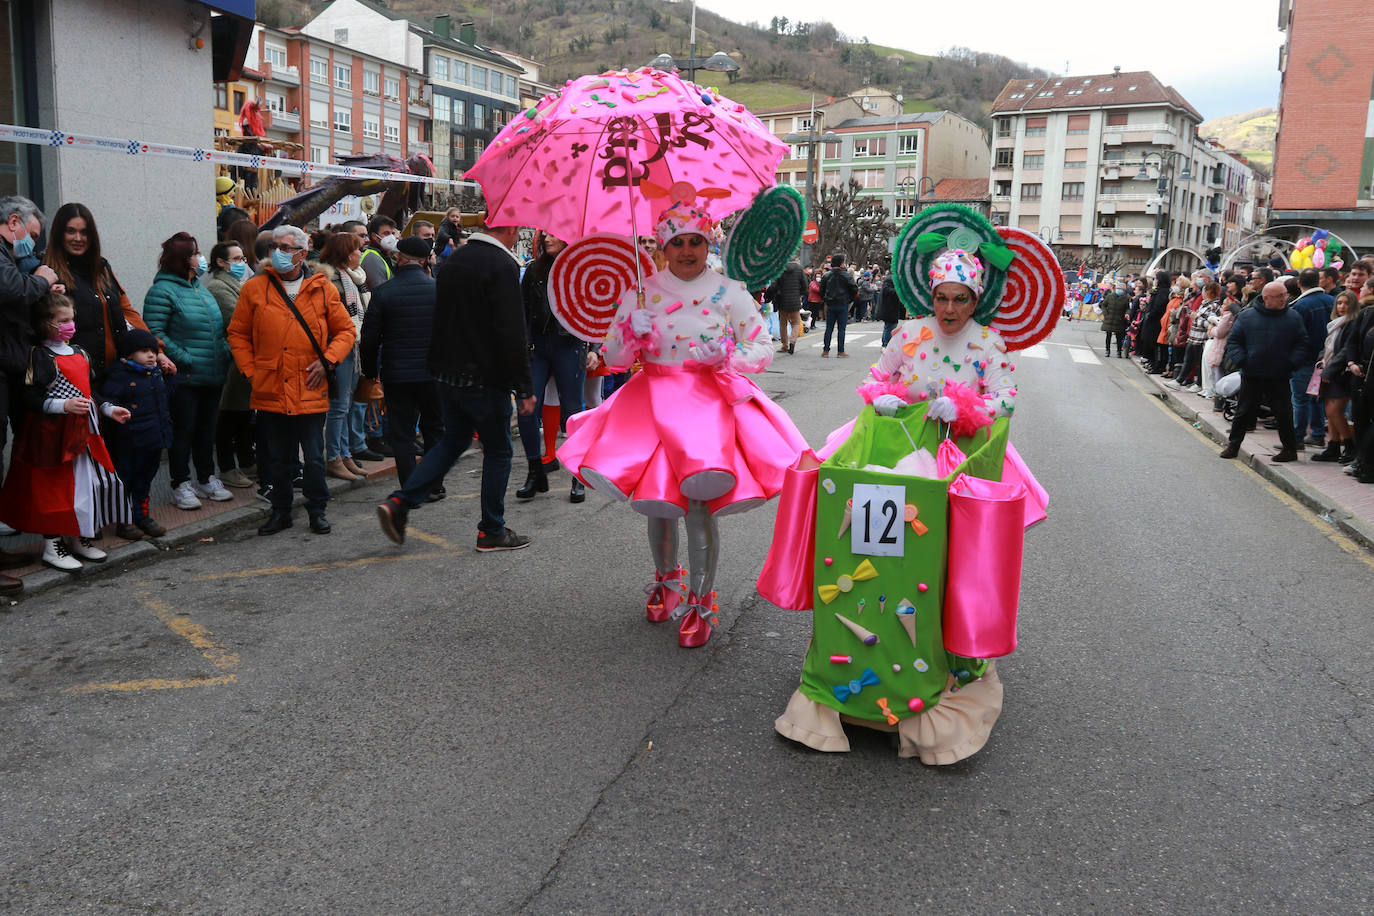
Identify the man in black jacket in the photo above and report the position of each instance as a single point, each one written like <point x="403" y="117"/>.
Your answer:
<point x="786" y="294"/>
<point x="479" y="356"/>
<point x="395" y="349"/>
<point x="1267" y="342"/>
<point x="838" y="291"/>
<point x="890" y="310"/>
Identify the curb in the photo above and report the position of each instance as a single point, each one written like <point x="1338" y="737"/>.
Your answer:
<point x="1327" y="508"/>
<point x="148" y="549"/>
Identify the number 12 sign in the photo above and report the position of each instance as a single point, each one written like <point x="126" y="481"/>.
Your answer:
<point x="878" y="526"/>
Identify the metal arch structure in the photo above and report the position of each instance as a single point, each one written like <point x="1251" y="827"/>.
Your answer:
<point x="1159" y="258"/>
<point x="1267" y="238"/>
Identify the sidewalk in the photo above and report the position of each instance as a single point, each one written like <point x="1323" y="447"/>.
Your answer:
<point x="1321" y="486"/>
<point x="183" y="528"/>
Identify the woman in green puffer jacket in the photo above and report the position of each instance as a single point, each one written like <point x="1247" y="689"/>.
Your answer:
<point x="186" y="318"/>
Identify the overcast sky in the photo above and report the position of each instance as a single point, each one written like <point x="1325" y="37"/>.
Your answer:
<point x="1221" y="54"/>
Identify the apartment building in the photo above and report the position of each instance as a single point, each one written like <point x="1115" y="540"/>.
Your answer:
<point x="1096" y="164"/>
<point x="1324" y="159"/>
<point x="474" y="91"/>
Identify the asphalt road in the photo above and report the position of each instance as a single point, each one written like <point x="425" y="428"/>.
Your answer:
<point x="337" y="725"/>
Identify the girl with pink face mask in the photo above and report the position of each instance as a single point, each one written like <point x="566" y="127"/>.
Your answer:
<point x="61" y="481"/>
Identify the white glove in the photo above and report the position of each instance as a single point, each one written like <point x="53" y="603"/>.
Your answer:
<point x="942" y="408"/>
<point x="887" y="405"/>
<point x="707" y="352"/>
<point x="641" y="322"/>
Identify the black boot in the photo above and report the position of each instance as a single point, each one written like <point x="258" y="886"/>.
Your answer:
<point x="1347" y="452"/>
<point x="536" y="482"/>
<point x="1330" y="453"/>
<point x="277" y="521"/>
<point x="578" y="493"/>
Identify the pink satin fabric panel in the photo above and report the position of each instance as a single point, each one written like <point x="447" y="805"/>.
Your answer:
<point x="983" y="586"/>
<point x="788" y="575"/>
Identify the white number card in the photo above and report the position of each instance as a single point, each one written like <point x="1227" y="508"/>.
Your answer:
<point x="878" y="521"/>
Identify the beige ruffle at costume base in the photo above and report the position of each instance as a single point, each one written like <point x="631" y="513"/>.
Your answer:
<point x="956" y="727"/>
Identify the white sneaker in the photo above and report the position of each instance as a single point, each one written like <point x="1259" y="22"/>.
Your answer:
<point x="184" y="497"/>
<point x="1193" y="388"/>
<point x="56" y="555"/>
<point x="1170" y="383"/>
<point x="212" y="489"/>
<point x="86" y="550"/>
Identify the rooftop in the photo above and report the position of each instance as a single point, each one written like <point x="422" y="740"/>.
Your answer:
<point x="452" y="44"/>
<point x="868" y="123"/>
<point x="961" y="189"/>
<point x="1101" y="90"/>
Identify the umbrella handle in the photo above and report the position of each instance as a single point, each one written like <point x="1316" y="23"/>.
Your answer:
<point x="634" y="228"/>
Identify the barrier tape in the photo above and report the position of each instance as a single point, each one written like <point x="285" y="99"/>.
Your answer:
<point x="296" y="167"/>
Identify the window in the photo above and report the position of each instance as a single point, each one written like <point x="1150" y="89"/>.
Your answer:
<point x="1116" y="119"/>
<point x="1105" y="88"/>
<point x="458" y="73"/>
<point x="905" y="209"/>
<point x="441" y="106"/>
<point x="238" y="100"/>
<point x="439" y="64"/>
<point x="801" y="151"/>
<point x="907" y="144"/>
<point x="1033" y="160"/>
<point x="460" y="144"/>
<point x="479" y="115"/>
<point x="1070" y="225"/>
<point x="1047" y="94"/>
<point x="319" y="71"/>
<point x="1035" y="127"/>
<point x="1017" y="95"/>
<point x="1030" y="223"/>
<point x="371" y="129"/>
<point x="391" y="88"/>
<point x="1075" y="92"/>
<point x="319" y="154"/>
<point x="868" y="178"/>
<point x="273" y="55"/>
<point x="1078" y="124"/>
<point x="343" y="120"/>
<point x="803" y="125"/>
<point x="460" y="112"/>
<point x="1001" y="189"/>
<point x="477" y="147"/>
<point x="1004" y="127"/>
<point x="276" y="101"/>
<point x="1030" y="191"/>
<point x="221" y="96"/>
<point x="319" y="113"/>
<point x="1005" y="158"/>
<point x="512" y="87"/>
<point x="479" y="77"/>
<point x="1075" y="159"/>
<point x="343" y="76"/>
<point x="1073" y="190"/>
<point x="870" y="146"/>
<point x="392" y="132"/>
<point x="372" y="82"/>
<point x="831" y="151"/>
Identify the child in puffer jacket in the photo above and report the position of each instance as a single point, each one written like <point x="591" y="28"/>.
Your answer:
<point x="136" y="383"/>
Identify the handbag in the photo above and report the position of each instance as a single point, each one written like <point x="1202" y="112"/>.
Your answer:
<point x="331" y="377"/>
<point x="367" y="389"/>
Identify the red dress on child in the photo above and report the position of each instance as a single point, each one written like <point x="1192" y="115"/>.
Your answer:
<point x="61" y="479"/>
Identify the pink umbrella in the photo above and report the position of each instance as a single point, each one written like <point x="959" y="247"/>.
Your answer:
<point x="610" y="153"/>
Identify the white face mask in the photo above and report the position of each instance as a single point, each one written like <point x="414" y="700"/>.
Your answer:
<point x="389" y="243"/>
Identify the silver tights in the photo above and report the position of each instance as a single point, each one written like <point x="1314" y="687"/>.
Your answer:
<point x="703" y="546"/>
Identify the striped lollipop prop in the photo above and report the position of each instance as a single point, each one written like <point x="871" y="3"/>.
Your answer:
<point x="933" y="230"/>
<point x="1035" y="291"/>
<point x="587" y="280"/>
<point x="765" y="237"/>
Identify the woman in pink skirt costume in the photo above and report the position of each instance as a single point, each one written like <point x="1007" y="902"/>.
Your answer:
<point x="688" y="436"/>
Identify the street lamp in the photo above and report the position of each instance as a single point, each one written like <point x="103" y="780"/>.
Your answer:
<point x="719" y="61"/>
<point x="1165" y="187"/>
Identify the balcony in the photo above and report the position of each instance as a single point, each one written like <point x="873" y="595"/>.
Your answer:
<point x="287" y="121"/>
<point x="1123" y="236"/>
<point x="1124" y="203"/>
<point x="419" y="108"/>
<point x="291" y="76"/>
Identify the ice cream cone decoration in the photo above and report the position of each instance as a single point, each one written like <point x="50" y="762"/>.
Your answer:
<point x="866" y="637"/>
<point x="907" y="615"/>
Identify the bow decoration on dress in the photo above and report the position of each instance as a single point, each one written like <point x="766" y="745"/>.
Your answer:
<point x="844" y="691"/>
<point x="862" y="572"/>
<point x="1000" y="256"/>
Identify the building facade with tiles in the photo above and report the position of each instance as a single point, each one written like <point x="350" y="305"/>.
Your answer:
<point x="1324" y="157"/>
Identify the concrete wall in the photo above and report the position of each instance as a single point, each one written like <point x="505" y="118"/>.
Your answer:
<point x="368" y="31"/>
<point x="122" y="68"/>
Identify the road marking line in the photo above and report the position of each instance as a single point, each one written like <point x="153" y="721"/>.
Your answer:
<point x="1085" y="356"/>
<point x="1035" y="352"/>
<point x="429" y="538"/>
<point x="150" y="683"/>
<point x="316" y="567"/>
<point x="874" y="343"/>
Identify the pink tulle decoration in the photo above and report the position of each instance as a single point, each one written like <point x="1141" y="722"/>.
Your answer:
<point x="972" y="409"/>
<point x="873" y="390"/>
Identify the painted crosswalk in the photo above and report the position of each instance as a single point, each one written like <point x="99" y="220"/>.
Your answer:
<point x="1048" y="350"/>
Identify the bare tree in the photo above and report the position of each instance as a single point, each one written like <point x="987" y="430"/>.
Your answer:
<point x="853" y="225"/>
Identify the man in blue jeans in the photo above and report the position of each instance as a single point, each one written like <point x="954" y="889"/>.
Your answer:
<point x="838" y="291"/>
<point x="1314" y="307"/>
<point x="478" y="356"/>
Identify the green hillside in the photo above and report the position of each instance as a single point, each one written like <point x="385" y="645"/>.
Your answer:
<point x="1252" y="132"/>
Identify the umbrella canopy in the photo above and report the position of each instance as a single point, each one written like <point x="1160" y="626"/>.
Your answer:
<point x="609" y="153"/>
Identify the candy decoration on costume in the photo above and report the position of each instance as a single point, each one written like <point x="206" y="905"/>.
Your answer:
<point x="588" y="278"/>
<point x="867" y="637"/>
<point x="765" y="236"/>
<point x="1035" y="291"/>
<point x="864" y="571"/>
<point x="907" y="615"/>
<point x="934" y="230"/>
<point x="844" y="691"/>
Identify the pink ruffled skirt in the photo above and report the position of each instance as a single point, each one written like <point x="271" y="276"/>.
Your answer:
<point x="672" y="434"/>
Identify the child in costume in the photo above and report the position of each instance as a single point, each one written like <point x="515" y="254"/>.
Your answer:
<point x="942" y="396"/>
<point x="136" y="383"/>
<point x="688" y="436"/>
<point x="61" y="481"/>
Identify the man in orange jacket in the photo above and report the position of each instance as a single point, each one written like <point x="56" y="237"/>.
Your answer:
<point x="288" y="333"/>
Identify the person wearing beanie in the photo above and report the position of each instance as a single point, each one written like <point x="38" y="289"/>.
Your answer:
<point x="137" y="384"/>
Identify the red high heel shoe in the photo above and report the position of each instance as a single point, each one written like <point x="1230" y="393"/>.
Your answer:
<point x="665" y="594"/>
<point x="701" y="618"/>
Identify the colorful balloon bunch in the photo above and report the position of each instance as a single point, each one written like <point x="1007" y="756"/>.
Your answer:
<point x="1317" y="250"/>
